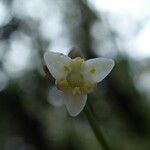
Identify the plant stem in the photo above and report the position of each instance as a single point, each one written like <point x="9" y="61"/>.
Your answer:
<point x="96" y="129"/>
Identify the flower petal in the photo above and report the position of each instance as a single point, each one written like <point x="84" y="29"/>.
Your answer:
<point x="55" y="97"/>
<point x="74" y="104"/>
<point x="97" y="69"/>
<point x="55" y="63"/>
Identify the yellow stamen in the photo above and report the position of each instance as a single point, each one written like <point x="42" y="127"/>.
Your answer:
<point x="89" y="87"/>
<point x="92" y="70"/>
<point x="78" y="62"/>
<point x="67" y="68"/>
<point x="76" y="91"/>
<point x="62" y="85"/>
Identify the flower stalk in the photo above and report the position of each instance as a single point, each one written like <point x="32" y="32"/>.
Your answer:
<point x="96" y="129"/>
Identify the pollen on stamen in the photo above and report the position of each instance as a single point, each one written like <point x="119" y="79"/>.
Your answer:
<point x="89" y="87"/>
<point x="92" y="70"/>
<point x="76" y="91"/>
<point x="62" y="85"/>
<point x="67" y="68"/>
<point x="79" y="61"/>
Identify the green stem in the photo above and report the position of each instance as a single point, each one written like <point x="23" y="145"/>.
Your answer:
<point x="96" y="129"/>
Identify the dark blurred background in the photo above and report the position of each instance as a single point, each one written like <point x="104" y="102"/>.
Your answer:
<point x="99" y="28"/>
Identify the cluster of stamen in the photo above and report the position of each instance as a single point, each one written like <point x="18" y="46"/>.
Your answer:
<point x="75" y="80"/>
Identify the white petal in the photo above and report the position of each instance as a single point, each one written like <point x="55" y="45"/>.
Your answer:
<point x="74" y="104"/>
<point x="103" y="67"/>
<point x="55" y="63"/>
<point x="55" y="97"/>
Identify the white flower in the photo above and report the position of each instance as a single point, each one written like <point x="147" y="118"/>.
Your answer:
<point x="75" y="78"/>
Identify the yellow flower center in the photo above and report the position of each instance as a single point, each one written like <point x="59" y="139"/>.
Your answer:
<point x="75" y="81"/>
